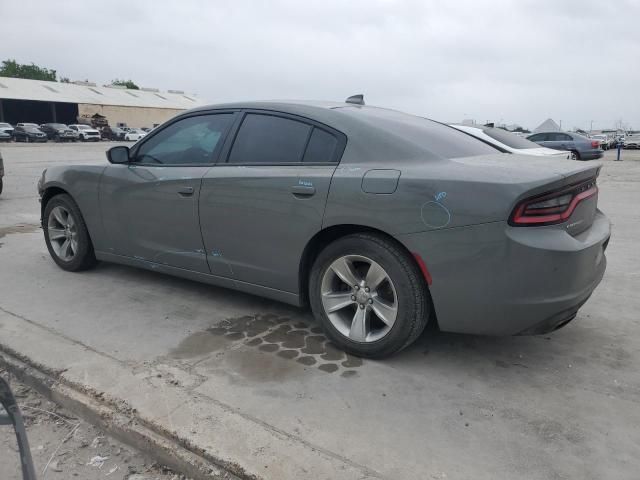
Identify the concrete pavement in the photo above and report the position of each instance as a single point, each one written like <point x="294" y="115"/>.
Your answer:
<point x="252" y="386"/>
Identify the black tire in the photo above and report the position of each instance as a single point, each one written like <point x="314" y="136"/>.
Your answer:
<point x="85" y="257"/>
<point x="576" y="155"/>
<point x="413" y="299"/>
<point x="1" y="185"/>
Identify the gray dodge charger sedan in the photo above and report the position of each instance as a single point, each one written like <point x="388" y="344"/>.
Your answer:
<point x="379" y="220"/>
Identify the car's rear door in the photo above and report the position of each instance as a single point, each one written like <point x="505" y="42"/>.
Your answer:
<point x="265" y="199"/>
<point x="563" y="141"/>
<point x="150" y="206"/>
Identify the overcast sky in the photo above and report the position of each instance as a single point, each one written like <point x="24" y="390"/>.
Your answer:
<point x="504" y="61"/>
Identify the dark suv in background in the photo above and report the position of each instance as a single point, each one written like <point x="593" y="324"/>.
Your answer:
<point x="59" y="132"/>
<point x="27" y="133"/>
<point x="112" y="133"/>
<point x="583" y="148"/>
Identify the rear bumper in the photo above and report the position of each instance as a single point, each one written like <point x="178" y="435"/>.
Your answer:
<point x="495" y="279"/>
<point x="591" y="154"/>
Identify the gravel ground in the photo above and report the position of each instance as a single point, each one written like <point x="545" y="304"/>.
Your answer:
<point x="65" y="447"/>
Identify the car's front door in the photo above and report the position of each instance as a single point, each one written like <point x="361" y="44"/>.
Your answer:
<point x="150" y="205"/>
<point x="260" y="205"/>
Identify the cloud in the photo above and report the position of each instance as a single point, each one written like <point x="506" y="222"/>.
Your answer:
<point x="521" y="62"/>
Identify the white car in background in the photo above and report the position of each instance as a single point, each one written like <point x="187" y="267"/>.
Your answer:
<point x="632" y="141"/>
<point x="86" y="133"/>
<point x="134" y="134"/>
<point x="509" y="142"/>
<point x="6" y="127"/>
<point x="603" y="139"/>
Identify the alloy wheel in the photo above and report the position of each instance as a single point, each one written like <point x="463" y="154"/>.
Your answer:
<point x="63" y="233"/>
<point x="359" y="298"/>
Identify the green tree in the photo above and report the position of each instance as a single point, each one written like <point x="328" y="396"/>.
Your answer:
<point x="11" y="68"/>
<point x="126" y="83"/>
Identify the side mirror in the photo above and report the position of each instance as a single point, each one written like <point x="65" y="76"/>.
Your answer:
<point x="119" y="154"/>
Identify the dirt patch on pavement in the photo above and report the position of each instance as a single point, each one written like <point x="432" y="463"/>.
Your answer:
<point x="28" y="228"/>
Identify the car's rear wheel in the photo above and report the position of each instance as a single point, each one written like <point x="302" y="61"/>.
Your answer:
<point x="369" y="295"/>
<point x="66" y="234"/>
<point x="575" y="155"/>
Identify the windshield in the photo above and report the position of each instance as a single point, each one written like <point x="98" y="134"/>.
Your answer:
<point x="31" y="129"/>
<point x="4" y="125"/>
<point x="83" y="127"/>
<point x="56" y="125"/>
<point x="439" y="140"/>
<point x="509" y="139"/>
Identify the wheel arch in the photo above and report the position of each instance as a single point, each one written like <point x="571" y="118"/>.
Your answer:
<point x="329" y="234"/>
<point x="48" y="193"/>
<point x="52" y="191"/>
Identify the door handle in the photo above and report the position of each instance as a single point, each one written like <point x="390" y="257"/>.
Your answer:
<point x="185" y="191"/>
<point x="303" y="190"/>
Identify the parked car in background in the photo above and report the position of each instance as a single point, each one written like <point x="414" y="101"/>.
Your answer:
<point x="112" y="133"/>
<point x="378" y="219"/>
<point x="603" y="139"/>
<point x="29" y="134"/>
<point x="5" y="136"/>
<point x="508" y="142"/>
<point x="632" y="142"/>
<point x="59" y="132"/>
<point x="583" y="148"/>
<point x="134" y="134"/>
<point x="86" y="133"/>
<point x="6" y="127"/>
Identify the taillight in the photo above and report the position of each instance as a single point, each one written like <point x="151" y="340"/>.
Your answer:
<point x="553" y="207"/>
<point x="595" y="144"/>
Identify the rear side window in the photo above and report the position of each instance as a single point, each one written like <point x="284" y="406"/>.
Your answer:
<point x="321" y="148"/>
<point x="269" y="139"/>
<point x="509" y="139"/>
<point x="538" y="137"/>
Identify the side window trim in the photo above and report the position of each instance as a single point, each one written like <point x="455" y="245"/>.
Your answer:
<point x="232" y="134"/>
<point x="216" y="154"/>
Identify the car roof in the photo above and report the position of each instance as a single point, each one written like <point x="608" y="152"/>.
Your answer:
<point x="341" y="116"/>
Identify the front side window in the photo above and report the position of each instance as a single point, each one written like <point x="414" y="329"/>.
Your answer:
<point x="190" y="140"/>
<point x="269" y="139"/>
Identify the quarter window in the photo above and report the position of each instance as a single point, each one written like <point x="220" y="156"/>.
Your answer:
<point x="191" y="140"/>
<point x="269" y="139"/>
<point x="321" y="148"/>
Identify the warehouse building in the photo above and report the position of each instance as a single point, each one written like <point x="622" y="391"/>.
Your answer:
<point x="40" y="102"/>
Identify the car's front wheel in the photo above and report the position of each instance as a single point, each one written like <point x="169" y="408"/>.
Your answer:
<point x="369" y="295"/>
<point x="66" y="234"/>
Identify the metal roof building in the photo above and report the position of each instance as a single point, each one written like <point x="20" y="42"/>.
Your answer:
<point x="38" y="101"/>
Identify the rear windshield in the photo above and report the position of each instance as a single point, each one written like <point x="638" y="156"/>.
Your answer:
<point x="440" y="140"/>
<point x="509" y="139"/>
